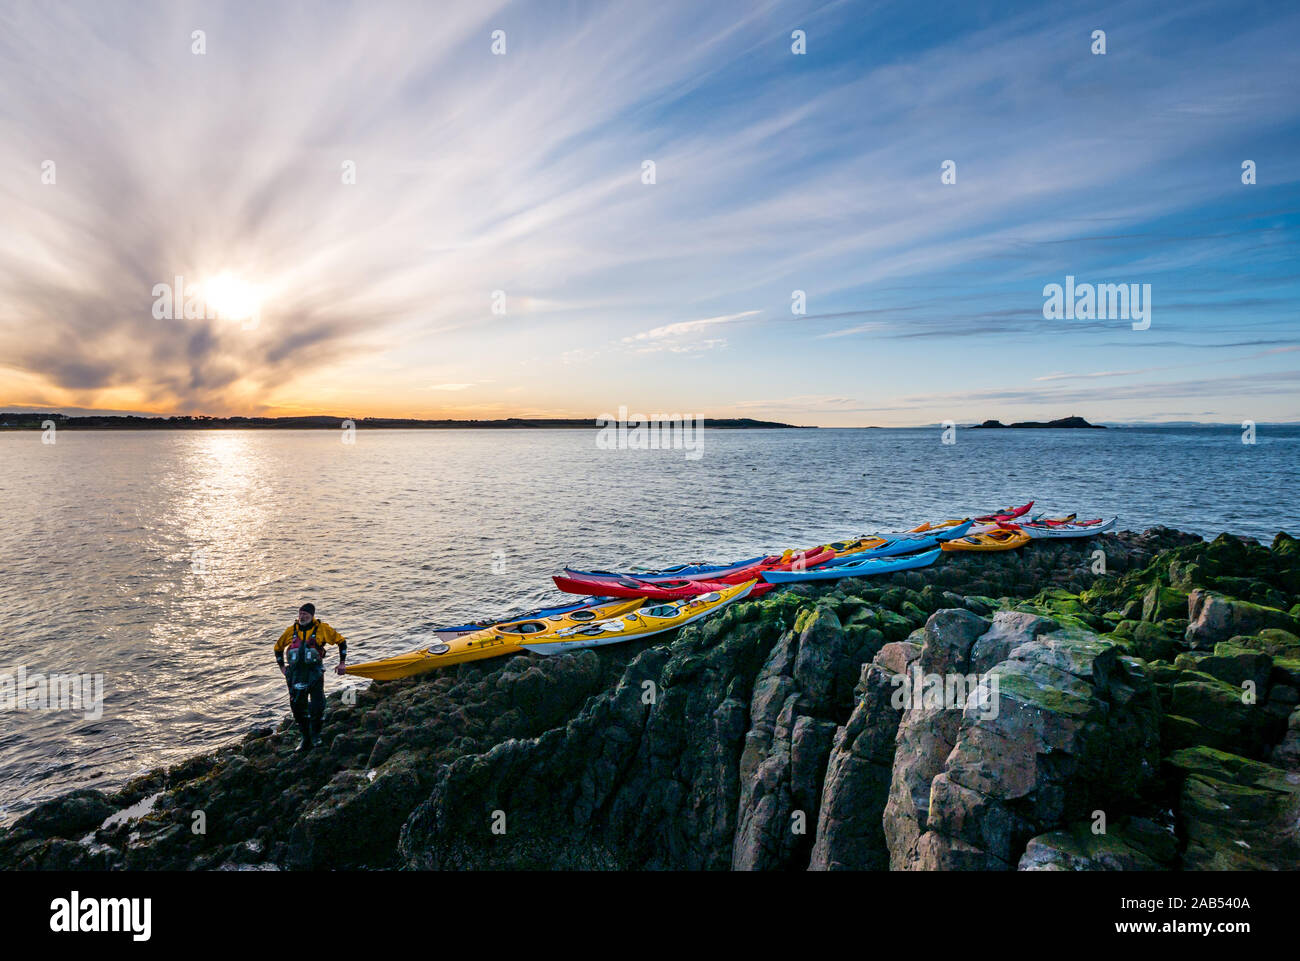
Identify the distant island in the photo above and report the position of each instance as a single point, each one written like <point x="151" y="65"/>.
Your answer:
<point x="1062" y="422"/>
<point x="29" y="421"/>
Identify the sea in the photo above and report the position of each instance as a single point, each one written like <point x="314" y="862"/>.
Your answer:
<point x="166" y="563"/>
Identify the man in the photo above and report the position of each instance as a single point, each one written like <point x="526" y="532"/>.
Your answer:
<point x="304" y="641"/>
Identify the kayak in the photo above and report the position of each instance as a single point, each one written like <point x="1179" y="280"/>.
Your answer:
<point x="855" y="544"/>
<point x="939" y="525"/>
<point x="994" y="540"/>
<point x="460" y="630"/>
<point x="1007" y="513"/>
<point x="854" y="568"/>
<point x="635" y="587"/>
<point x="789" y="561"/>
<point x="1067" y="519"/>
<point x="647" y="621"/>
<point x="495" y="641"/>
<point x="901" y="544"/>
<point x="1038" y="530"/>
<point x="704" y="572"/>
<point x="735" y="574"/>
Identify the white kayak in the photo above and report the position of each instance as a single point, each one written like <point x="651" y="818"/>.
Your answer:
<point x="1041" y="530"/>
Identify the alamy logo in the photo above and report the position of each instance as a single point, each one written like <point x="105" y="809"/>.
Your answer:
<point x="660" y="432"/>
<point x="75" y="914"/>
<point x="917" y="690"/>
<point x="53" y="692"/>
<point x="221" y="298"/>
<point x="1098" y="302"/>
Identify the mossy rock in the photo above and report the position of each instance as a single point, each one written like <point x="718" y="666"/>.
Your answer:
<point x="1236" y="827"/>
<point x="1231" y="664"/>
<point x="1083" y="622"/>
<point x="1078" y="848"/>
<point x="854" y="610"/>
<point x="863" y="617"/>
<point x="1231" y="768"/>
<point x="1060" y="600"/>
<point x="914" y="613"/>
<point x="1152" y="643"/>
<point x="1186" y="575"/>
<point x="1125" y="628"/>
<point x="1178" y="732"/>
<point x="1191" y="661"/>
<point x="1162" y="672"/>
<point x="1221" y="617"/>
<point x="1020" y="683"/>
<point x="893" y="599"/>
<point x="866" y="639"/>
<point x="1125" y="644"/>
<point x="1162" y="602"/>
<point x="1287" y="671"/>
<point x="1221" y="709"/>
<point x="1271" y="641"/>
<point x="1253" y="590"/>
<point x="894" y="626"/>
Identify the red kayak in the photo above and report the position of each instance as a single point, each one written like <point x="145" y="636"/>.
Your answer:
<point x="727" y="574"/>
<point x="654" y="590"/>
<point x="1006" y="514"/>
<point x="789" y="561"/>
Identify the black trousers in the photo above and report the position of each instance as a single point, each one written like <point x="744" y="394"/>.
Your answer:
<point x="309" y="704"/>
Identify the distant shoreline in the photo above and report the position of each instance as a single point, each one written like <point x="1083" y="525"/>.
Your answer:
<point x="24" y="421"/>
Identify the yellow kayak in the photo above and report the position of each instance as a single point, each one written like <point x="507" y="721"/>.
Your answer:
<point x="855" y="546"/>
<point x="1067" y="519"/>
<point x="927" y="526"/>
<point x="654" y="618"/>
<point x="988" y="541"/>
<point x="495" y="641"/>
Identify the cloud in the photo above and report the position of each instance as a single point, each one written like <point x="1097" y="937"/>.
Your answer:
<point x="522" y="174"/>
<point x="1232" y="386"/>
<point x="1098" y="373"/>
<point x="687" y="327"/>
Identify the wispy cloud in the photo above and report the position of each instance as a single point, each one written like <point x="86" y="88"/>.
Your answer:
<point x="498" y="209"/>
<point x="687" y="327"/>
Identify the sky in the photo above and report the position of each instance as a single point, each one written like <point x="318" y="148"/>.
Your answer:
<point x="379" y="214"/>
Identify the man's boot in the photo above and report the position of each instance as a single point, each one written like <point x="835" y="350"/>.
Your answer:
<point x="307" y="743"/>
<point x="315" y="729"/>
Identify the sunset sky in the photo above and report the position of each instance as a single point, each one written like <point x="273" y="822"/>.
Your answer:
<point x="774" y="172"/>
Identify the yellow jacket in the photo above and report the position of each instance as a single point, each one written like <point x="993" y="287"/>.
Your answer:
<point x="324" y="635"/>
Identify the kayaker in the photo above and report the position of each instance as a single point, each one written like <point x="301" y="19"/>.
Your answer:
<point x="304" y="642"/>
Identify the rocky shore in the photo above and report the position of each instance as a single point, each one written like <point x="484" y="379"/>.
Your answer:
<point x="1145" y="717"/>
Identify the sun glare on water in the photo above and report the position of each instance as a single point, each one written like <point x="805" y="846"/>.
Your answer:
<point x="230" y="297"/>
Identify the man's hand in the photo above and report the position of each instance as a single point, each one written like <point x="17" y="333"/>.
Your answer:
<point x="339" y="669"/>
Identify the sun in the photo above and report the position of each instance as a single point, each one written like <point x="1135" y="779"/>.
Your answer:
<point x="231" y="298"/>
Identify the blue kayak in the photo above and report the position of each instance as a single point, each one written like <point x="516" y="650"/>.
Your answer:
<point x="854" y="568"/>
<point x="952" y="533"/>
<point x="903" y="544"/>
<point x="681" y="571"/>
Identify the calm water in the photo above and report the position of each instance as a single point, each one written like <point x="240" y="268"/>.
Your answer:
<point x="169" y="562"/>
